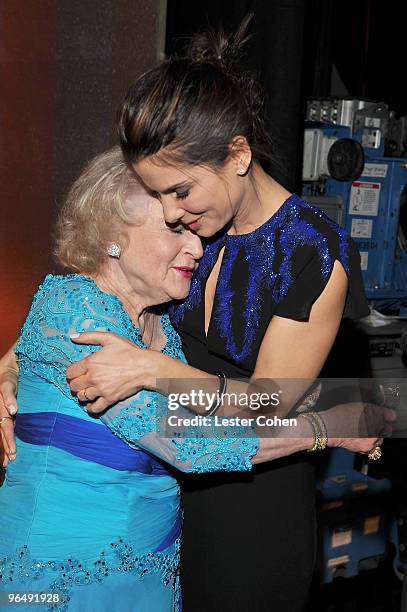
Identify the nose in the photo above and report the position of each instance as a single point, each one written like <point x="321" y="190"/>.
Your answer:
<point x="194" y="245"/>
<point x="171" y="209"/>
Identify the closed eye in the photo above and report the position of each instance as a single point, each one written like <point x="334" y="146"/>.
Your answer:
<point x="175" y="229"/>
<point x="181" y="195"/>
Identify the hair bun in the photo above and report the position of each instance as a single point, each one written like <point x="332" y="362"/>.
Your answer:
<point x="190" y="107"/>
<point x="217" y="47"/>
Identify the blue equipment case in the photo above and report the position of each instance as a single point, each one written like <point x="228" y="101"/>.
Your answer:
<point x="356" y="520"/>
<point x="368" y="208"/>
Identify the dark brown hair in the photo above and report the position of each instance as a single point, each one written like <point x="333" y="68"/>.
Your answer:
<point x="195" y="105"/>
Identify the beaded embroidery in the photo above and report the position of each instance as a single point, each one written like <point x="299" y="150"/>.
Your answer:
<point x="212" y="451"/>
<point x="229" y="455"/>
<point x="285" y="232"/>
<point x="119" y="558"/>
<point x="74" y="303"/>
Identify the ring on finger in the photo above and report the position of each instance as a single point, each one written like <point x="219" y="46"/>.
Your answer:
<point x="2" y="419"/>
<point x="375" y="454"/>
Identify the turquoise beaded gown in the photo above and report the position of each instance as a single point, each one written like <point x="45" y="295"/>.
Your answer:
<point x="90" y="512"/>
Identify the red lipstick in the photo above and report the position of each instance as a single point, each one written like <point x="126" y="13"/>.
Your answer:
<point x="185" y="271"/>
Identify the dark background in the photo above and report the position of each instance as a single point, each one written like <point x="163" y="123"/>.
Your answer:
<point x="304" y="48"/>
<point x="65" y="65"/>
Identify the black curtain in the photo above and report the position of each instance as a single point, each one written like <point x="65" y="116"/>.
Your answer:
<point x="294" y="47"/>
<point x="274" y="52"/>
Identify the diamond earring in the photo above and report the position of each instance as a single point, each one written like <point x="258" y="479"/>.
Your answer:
<point x="241" y="171"/>
<point x="114" y="250"/>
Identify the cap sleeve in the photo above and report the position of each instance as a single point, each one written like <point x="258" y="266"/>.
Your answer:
<point x="311" y="270"/>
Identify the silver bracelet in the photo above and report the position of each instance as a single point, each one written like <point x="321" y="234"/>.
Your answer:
<point x="221" y="392"/>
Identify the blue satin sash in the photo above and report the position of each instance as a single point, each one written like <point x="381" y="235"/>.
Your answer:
<point x="89" y="441"/>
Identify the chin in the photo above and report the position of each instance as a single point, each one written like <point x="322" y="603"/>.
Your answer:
<point x="180" y="295"/>
<point x="208" y="230"/>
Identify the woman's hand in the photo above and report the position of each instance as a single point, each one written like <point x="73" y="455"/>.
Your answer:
<point x="7" y="438"/>
<point x="357" y="426"/>
<point x="8" y="404"/>
<point x="116" y="372"/>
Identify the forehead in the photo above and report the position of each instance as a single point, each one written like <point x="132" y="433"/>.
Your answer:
<point x="142" y="207"/>
<point x="160" y="176"/>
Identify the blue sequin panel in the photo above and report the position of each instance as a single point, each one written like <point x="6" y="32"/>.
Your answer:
<point x="288" y="230"/>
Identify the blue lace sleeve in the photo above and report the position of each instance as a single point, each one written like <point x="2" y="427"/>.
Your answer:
<point x="70" y="304"/>
<point x="64" y="305"/>
<point x="209" y="449"/>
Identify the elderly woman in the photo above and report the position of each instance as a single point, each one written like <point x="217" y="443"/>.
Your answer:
<point x="88" y="521"/>
<point x="91" y="519"/>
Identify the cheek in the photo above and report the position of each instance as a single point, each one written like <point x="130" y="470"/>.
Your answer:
<point x="192" y="203"/>
<point x="200" y="200"/>
<point x="220" y="203"/>
<point x="145" y="262"/>
<point x="162" y="257"/>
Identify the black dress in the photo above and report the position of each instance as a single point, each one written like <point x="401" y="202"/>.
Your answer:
<point x="249" y="539"/>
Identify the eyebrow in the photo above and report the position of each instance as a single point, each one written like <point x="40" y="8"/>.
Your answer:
<point x="174" y="188"/>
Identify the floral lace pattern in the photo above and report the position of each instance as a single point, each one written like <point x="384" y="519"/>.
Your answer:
<point x="64" y="305"/>
<point x="196" y="453"/>
<point x="227" y="455"/>
<point x="73" y="304"/>
<point x="121" y="557"/>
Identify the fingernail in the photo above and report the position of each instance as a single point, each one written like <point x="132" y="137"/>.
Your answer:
<point x="12" y="409"/>
<point x="74" y="335"/>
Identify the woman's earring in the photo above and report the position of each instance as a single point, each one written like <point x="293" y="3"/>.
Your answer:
<point x="241" y="171"/>
<point x="114" y="250"/>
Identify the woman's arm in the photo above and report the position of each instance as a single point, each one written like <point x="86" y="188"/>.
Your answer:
<point x="65" y="306"/>
<point x="8" y="381"/>
<point x="142" y="422"/>
<point x="298" y="349"/>
<point x="290" y="349"/>
<point x="8" y="403"/>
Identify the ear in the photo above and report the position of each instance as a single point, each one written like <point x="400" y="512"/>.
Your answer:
<point x="240" y="154"/>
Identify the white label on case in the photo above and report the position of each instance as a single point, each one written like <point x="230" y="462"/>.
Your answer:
<point x="375" y="170"/>
<point x="364" y="256"/>
<point x="364" y="199"/>
<point x="361" y="228"/>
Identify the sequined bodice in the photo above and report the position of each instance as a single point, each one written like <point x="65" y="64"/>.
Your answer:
<point x="280" y="268"/>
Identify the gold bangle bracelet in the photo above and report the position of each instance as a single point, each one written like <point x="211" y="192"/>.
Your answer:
<point x="318" y="426"/>
<point x="322" y="428"/>
<point x="311" y="422"/>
